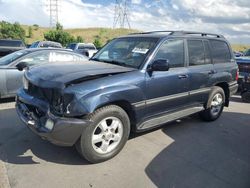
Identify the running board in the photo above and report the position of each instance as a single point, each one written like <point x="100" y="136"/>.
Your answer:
<point x="169" y="117"/>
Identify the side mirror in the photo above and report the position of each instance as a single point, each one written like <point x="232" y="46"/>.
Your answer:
<point x="160" y="65"/>
<point x="21" y="65"/>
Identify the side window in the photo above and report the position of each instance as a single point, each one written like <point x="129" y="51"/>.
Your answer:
<point x="220" y="51"/>
<point x="207" y="52"/>
<point x="196" y="52"/>
<point x="173" y="51"/>
<point x="36" y="58"/>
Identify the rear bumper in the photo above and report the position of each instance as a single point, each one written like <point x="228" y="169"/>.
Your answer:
<point x="62" y="131"/>
<point x="233" y="88"/>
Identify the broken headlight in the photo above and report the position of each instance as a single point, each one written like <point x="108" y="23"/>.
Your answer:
<point x="60" y="103"/>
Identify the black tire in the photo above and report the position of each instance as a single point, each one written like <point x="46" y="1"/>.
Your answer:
<point x="207" y="114"/>
<point x="245" y="96"/>
<point x="84" y="144"/>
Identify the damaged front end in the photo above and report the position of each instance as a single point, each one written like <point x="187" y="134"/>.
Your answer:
<point x="46" y="112"/>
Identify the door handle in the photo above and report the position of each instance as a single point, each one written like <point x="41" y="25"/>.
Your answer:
<point x="183" y="76"/>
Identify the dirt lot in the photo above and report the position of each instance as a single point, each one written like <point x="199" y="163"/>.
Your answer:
<point x="189" y="153"/>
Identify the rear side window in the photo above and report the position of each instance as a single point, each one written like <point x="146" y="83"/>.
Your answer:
<point x="173" y="51"/>
<point x="220" y="51"/>
<point x="196" y="52"/>
<point x="207" y="53"/>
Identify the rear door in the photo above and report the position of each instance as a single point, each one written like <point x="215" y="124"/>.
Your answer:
<point x="223" y="59"/>
<point x="200" y="70"/>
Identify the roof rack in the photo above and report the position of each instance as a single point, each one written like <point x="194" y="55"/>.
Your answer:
<point x="203" y="34"/>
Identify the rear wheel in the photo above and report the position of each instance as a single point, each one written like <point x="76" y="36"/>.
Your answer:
<point x="215" y="104"/>
<point x="106" y="135"/>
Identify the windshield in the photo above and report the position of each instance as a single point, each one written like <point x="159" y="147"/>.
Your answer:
<point x="71" y="46"/>
<point x="12" y="57"/>
<point x="128" y="52"/>
<point x="247" y="53"/>
<point x="34" y="45"/>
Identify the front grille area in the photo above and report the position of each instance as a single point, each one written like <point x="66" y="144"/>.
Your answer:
<point x="243" y="67"/>
<point x="40" y="93"/>
<point x="50" y="95"/>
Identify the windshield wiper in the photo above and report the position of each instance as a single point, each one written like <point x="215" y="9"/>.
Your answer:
<point x="118" y="63"/>
<point x="113" y="62"/>
<point x="95" y="59"/>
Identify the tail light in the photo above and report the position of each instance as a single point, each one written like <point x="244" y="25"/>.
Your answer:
<point x="237" y="75"/>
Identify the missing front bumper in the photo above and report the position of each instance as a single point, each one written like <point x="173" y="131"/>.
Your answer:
<point x="64" y="132"/>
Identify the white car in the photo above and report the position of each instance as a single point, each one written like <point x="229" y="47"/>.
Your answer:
<point x="87" y="49"/>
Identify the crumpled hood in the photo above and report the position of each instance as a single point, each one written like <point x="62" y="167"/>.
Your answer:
<point x="61" y="74"/>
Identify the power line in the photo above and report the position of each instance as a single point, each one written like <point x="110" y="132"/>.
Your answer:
<point x="53" y="9"/>
<point x="121" y="14"/>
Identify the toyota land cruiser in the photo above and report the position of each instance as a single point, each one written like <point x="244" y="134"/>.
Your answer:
<point x="134" y="83"/>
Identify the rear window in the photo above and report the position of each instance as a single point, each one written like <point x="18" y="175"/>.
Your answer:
<point x="220" y="51"/>
<point x="12" y="43"/>
<point x="34" y="44"/>
<point x="89" y="47"/>
<point x="247" y="53"/>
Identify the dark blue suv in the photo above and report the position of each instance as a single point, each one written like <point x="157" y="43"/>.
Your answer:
<point x="134" y="83"/>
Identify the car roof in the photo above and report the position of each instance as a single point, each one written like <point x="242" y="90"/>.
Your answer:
<point x="164" y="34"/>
<point x="47" y="49"/>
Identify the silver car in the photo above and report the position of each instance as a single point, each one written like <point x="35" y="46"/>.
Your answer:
<point x="11" y="77"/>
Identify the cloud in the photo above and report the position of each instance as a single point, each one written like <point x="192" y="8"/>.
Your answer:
<point x="136" y="1"/>
<point x="228" y="17"/>
<point x="25" y="12"/>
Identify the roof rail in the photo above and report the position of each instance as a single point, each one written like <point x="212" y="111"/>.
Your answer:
<point x="203" y="34"/>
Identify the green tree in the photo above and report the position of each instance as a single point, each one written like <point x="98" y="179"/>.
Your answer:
<point x="59" y="27"/>
<point x="30" y="34"/>
<point x="12" y="31"/>
<point x="59" y="35"/>
<point x="36" y="27"/>
<point x="97" y="42"/>
<point x="79" y="39"/>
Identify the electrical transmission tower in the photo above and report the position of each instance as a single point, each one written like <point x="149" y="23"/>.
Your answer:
<point x="53" y="9"/>
<point x="121" y="14"/>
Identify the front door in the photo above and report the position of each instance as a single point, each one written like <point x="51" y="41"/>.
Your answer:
<point x="168" y="90"/>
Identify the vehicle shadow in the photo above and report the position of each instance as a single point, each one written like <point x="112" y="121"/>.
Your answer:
<point x="7" y="100"/>
<point x="205" y="154"/>
<point x="236" y="98"/>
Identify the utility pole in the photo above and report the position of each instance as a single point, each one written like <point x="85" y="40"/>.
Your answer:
<point x="53" y="9"/>
<point x="121" y="14"/>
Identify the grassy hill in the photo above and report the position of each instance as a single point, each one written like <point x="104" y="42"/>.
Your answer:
<point x="89" y="35"/>
<point x="240" y="47"/>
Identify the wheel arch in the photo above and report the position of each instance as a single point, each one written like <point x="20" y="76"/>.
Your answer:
<point x="127" y="107"/>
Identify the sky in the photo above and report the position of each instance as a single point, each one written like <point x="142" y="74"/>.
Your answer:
<point x="228" y="17"/>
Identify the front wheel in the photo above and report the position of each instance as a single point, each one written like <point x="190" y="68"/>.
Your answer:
<point x="106" y="135"/>
<point x="215" y="104"/>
